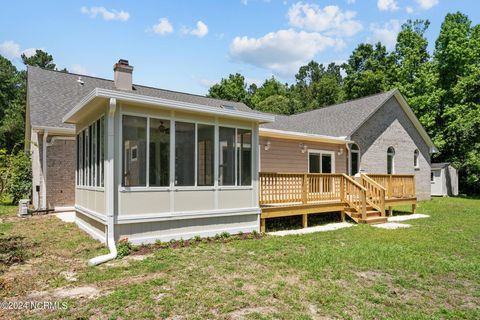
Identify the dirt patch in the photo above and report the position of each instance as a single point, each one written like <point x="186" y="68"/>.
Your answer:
<point x="61" y="293"/>
<point x="13" y="250"/>
<point x="243" y="313"/>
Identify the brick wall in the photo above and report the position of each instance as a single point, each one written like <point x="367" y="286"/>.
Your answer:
<point x="61" y="162"/>
<point x="390" y="126"/>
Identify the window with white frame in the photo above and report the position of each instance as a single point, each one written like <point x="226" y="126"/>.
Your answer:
<point x="134" y="153"/>
<point x="354" y="159"/>
<point x="90" y="155"/>
<point x="194" y="161"/>
<point x="416" y="163"/>
<point x="321" y="161"/>
<point x="159" y="153"/>
<point x="184" y="154"/>
<point x="390" y="160"/>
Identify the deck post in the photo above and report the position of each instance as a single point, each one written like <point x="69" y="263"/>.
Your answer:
<point x="305" y="189"/>
<point x="414" y="208"/>
<point x="390" y="211"/>
<point x="305" y="220"/>
<point x="342" y="215"/>
<point x="342" y="187"/>
<point x="389" y="189"/>
<point x="262" y="225"/>
<point x="364" y="205"/>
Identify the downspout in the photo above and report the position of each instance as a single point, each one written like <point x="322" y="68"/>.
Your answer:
<point x="44" y="169"/>
<point x="109" y="188"/>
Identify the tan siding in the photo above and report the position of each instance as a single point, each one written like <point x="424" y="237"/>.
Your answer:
<point x="286" y="156"/>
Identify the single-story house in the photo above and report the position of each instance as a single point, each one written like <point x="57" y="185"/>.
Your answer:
<point x="444" y="179"/>
<point x="151" y="164"/>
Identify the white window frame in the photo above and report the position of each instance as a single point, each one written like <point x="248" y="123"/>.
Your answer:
<point x="350" y="151"/>
<point x="393" y="159"/>
<point x="416" y="159"/>
<point x="320" y="152"/>
<point x="173" y="119"/>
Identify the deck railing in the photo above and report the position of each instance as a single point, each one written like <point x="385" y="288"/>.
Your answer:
<point x="375" y="193"/>
<point x="396" y="185"/>
<point x="355" y="195"/>
<point x="278" y="188"/>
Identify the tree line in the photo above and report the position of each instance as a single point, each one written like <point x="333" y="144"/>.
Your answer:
<point x="442" y="88"/>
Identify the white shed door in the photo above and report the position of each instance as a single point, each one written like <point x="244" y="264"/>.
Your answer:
<point x="436" y="181"/>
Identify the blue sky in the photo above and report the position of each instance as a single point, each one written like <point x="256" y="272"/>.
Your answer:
<point x="188" y="45"/>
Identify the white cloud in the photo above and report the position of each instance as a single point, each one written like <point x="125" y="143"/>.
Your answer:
<point x="206" y="83"/>
<point x="107" y="15"/>
<point x="386" y="33"/>
<point x="200" y="31"/>
<point x="387" y="5"/>
<point x="350" y="1"/>
<point x="11" y="50"/>
<point x="331" y="19"/>
<point x="163" y="26"/>
<point x="427" y="4"/>
<point x="409" y="9"/>
<point x="79" y="69"/>
<point x="283" y="51"/>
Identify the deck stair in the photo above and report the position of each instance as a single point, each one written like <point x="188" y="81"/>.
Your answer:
<point x="373" y="216"/>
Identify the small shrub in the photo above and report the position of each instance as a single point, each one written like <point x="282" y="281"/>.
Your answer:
<point x="224" y="235"/>
<point x="217" y="237"/>
<point x="255" y="233"/>
<point x="197" y="238"/>
<point x="123" y="248"/>
<point x="17" y="176"/>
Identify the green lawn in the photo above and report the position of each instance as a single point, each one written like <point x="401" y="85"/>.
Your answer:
<point x="429" y="271"/>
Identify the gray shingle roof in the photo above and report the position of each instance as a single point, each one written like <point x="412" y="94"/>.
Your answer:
<point x="338" y="120"/>
<point x="52" y="94"/>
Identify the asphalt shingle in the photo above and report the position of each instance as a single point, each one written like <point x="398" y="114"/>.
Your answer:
<point x="338" y="120"/>
<point x="52" y="94"/>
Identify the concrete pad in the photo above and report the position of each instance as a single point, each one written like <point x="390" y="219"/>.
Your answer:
<point x="407" y="217"/>
<point x="66" y="216"/>
<point x="391" y="225"/>
<point x="327" y="227"/>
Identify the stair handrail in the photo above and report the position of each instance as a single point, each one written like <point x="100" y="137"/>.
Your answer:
<point x="362" y="206"/>
<point x="375" y="193"/>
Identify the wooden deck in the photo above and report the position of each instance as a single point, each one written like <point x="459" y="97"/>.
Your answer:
<point x="364" y="200"/>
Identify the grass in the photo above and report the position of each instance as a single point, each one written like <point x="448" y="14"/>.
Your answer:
<point x="428" y="271"/>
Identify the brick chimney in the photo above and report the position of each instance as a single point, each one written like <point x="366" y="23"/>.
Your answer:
<point x="123" y="75"/>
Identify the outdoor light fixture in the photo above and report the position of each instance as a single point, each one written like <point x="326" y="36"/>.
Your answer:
<point x="267" y="146"/>
<point x="304" y="147"/>
<point x="340" y="151"/>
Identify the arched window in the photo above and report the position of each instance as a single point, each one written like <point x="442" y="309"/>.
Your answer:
<point x="416" y="163"/>
<point x="390" y="160"/>
<point x="354" y="159"/>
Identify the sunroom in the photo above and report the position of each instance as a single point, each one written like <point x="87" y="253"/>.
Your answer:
<point x="151" y="169"/>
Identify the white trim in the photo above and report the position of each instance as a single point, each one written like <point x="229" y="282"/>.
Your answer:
<point x="90" y="188"/>
<point x="182" y="215"/>
<point x="321" y="152"/>
<point x="192" y="234"/>
<point x="97" y="216"/>
<point x="93" y="232"/>
<point x="153" y="101"/>
<point x="299" y="135"/>
<point x="44" y="169"/>
<point x="350" y="157"/>
<point x="54" y="130"/>
<point x="63" y="209"/>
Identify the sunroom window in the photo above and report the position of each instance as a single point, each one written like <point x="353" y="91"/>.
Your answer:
<point x="227" y="156"/>
<point x="184" y="154"/>
<point x="134" y="151"/>
<point x="205" y="154"/>
<point x="159" y="153"/>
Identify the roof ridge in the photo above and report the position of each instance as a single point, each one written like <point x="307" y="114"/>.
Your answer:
<point x="137" y="85"/>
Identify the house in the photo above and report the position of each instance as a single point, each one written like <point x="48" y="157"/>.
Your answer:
<point x="151" y="164"/>
<point x="444" y="179"/>
<point x="373" y="138"/>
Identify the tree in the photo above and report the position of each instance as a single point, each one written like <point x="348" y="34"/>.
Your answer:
<point x="40" y="59"/>
<point x="317" y="86"/>
<point x="277" y="104"/>
<point x="370" y="69"/>
<point x="271" y="87"/>
<point x="233" y="88"/>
